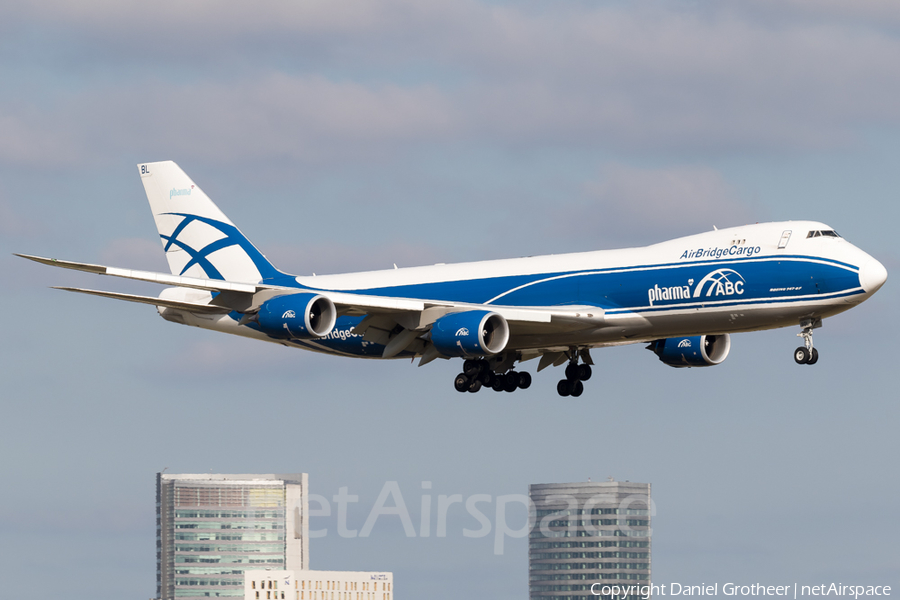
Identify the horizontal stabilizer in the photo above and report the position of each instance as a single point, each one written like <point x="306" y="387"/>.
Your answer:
<point x="212" y="285"/>
<point x="188" y="306"/>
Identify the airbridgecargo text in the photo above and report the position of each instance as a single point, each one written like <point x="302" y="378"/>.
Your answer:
<point x="340" y="334"/>
<point x="795" y="590"/>
<point x="747" y="251"/>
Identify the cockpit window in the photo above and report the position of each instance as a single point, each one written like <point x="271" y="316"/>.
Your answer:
<point x="823" y="233"/>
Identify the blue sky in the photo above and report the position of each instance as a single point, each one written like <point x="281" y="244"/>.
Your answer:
<point x="352" y="136"/>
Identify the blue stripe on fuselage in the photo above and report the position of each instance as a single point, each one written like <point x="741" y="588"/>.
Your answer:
<point x="752" y="280"/>
<point x="642" y="289"/>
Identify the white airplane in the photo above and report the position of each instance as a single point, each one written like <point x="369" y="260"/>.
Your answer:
<point x="683" y="297"/>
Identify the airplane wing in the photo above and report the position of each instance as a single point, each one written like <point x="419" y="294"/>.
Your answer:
<point x="382" y="314"/>
<point x="348" y="303"/>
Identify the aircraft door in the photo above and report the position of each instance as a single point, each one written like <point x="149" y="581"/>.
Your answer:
<point x="785" y="238"/>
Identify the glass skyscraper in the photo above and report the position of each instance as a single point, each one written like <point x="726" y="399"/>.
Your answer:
<point x="586" y="536"/>
<point x="210" y="528"/>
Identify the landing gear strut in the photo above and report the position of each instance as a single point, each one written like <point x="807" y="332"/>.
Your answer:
<point x="806" y="354"/>
<point x="478" y="373"/>
<point x="572" y="385"/>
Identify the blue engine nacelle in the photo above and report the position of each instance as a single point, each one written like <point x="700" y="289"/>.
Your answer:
<point x="297" y="316"/>
<point x="470" y="333"/>
<point x="694" y="351"/>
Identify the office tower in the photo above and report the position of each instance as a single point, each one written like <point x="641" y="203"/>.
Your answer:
<point x="210" y="528"/>
<point x="318" y="585"/>
<point x="585" y="534"/>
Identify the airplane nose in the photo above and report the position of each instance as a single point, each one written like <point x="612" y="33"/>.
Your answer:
<point x="872" y="275"/>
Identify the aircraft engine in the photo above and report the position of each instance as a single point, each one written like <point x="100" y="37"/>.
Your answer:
<point x="470" y="333"/>
<point x="694" y="351"/>
<point x="297" y="316"/>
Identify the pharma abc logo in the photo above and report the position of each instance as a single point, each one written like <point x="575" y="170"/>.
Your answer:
<point x="721" y="282"/>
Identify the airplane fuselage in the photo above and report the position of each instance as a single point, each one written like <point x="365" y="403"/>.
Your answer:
<point x="745" y="278"/>
<point x="684" y="296"/>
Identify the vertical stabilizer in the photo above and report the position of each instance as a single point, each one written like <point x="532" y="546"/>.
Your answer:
<point x="198" y="239"/>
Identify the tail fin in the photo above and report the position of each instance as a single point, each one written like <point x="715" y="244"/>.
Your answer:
<point x="199" y="240"/>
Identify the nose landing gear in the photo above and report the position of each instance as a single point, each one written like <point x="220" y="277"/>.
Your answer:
<point x="807" y="354"/>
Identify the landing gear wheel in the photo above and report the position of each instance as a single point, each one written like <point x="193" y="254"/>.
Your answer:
<point x="499" y="384"/>
<point x="461" y="383"/>
<point x="475" y="386"/>
<point x="584" y="372"/>
<point x="512" y="381"/>
<point x="487" y="378"/>
<point x="806" y="354"/>
<point x="471" y="367"/>
<point x="524" y="380"/>
<point x="575" y="373"/>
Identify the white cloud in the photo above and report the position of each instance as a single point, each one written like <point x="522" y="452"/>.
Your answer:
<point x="323" y="81"/>
<point x="337" y="257"/>
<point x="635" y="205"/>
<point x="15" y="224"/>
<point x="233" y="358"/>
<point x="274" y="116"/>
<point x="135" y="253"/>
<point x="10" y="222"/>
<point x="874" y="13"/>
<point x="26" y="138"/>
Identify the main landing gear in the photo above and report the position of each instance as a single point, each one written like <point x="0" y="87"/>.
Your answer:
<point x="806" y="354"/>
<point x="572" y="385"/>
<point x="478" y="373"/>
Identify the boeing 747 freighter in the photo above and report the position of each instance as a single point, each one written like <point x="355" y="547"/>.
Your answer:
<point x="682" y="297"/>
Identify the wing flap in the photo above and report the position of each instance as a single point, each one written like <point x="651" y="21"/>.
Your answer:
<point x="348" y="303"/>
